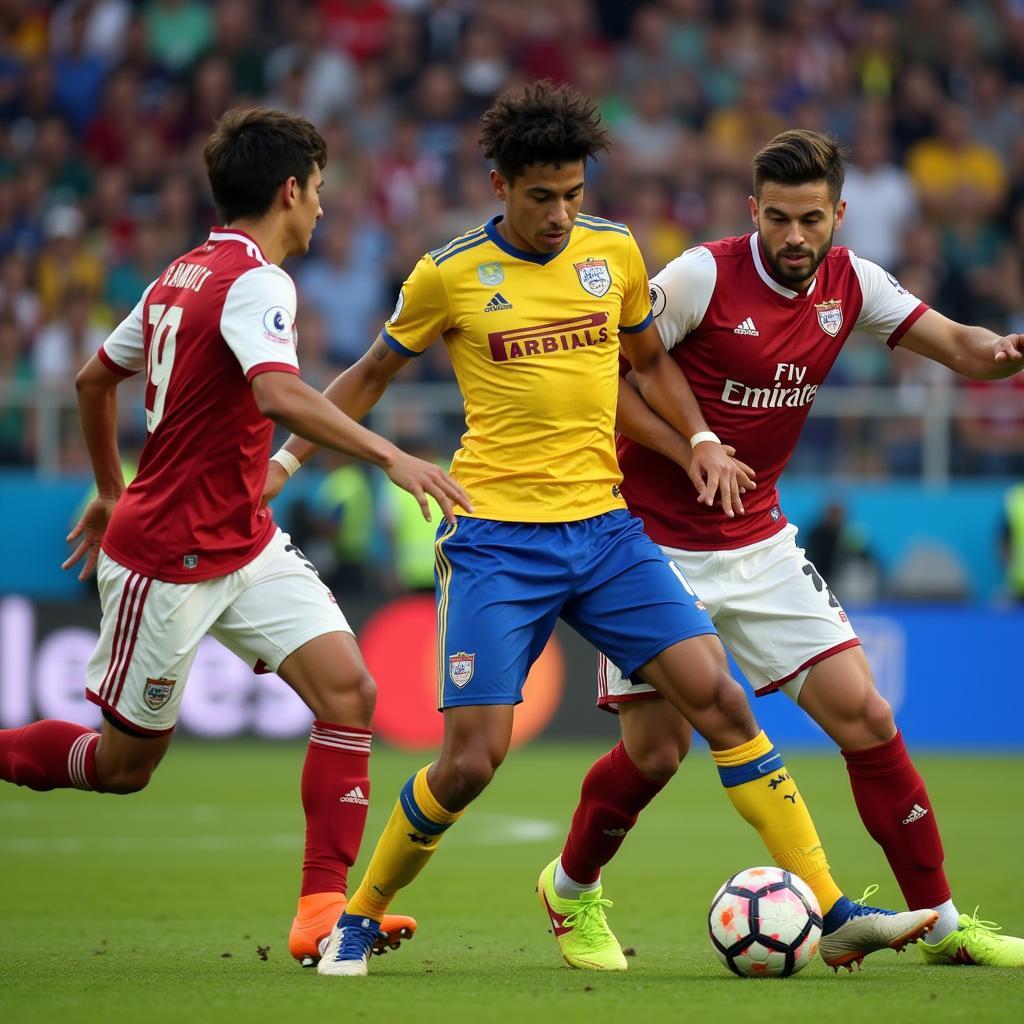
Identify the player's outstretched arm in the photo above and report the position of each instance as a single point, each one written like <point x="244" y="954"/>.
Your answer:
<point x="97" y="409"/>
<point x="970" y="351"/>
<point x="715" y="474"/>
<point x="288" y="400"/>
<point x="355" y="392"/>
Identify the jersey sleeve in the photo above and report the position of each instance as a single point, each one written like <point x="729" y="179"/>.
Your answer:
<point x="422" y="313"/>
<point x="124" y="351"/>
<point x="681" y="294"/>
<point x="888" y="310"/>
<point x="258" y="321"/>
<point x="636" y="299"/>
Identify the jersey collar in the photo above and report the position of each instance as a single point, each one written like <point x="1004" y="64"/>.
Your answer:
<point x="762" y="272"/>
<point x="541" y="258"/>
<point x="218" y="234"/>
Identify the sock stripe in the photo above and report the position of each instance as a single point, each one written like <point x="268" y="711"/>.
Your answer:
<point x="737" y="775"/>
<point x="351" y="748"/>
<point x="346" y="730"/>
<point x="412" y="811"/>
<point x="78" y="758"/>
<point x="341" y="739"/>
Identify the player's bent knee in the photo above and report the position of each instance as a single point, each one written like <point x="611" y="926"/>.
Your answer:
<point x="468" y="774"/>
<point x="363" y="690"/>
<point x="728" y="721"/>
<point x="877" y="718"/>
<point x="732" y="700"/>
<point x="659" y="762"/>
<point x="124" y="781"/>
<point x="346" y="698"/>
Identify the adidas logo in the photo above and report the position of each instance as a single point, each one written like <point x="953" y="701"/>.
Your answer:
<point x="354" y="796"/>
<point x="916" y="814"/>
<point x="747" y="327"/>
<point x="498" y="303"/>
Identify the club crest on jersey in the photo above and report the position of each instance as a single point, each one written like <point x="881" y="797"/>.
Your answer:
<point x="190" y="561"/>
<point x="490" y="273"/>
<point x="158" y="692"/>
<point x="830" y="316"/>
<point x="460" y="668"/>
<point x="595" y="276"/>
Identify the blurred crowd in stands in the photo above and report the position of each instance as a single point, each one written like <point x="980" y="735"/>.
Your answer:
<point x="105" y="105"/>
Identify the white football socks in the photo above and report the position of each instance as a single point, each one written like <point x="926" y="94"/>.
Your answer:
<point x="949" y="921"/>
<point x="568" y="888"/>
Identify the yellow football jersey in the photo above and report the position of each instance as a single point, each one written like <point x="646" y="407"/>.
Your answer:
<point x="534" y="341"/>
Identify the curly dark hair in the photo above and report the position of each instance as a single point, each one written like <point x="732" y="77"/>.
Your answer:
<point x="541" y="123"/>
<point x="252" y="153"/>
<point x="798" y="156"/>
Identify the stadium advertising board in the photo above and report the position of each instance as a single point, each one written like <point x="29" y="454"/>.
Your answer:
<point x="944" y="669"/>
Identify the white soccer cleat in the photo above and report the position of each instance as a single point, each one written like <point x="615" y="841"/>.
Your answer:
<point x="865" y="929"/>
<point x="348" y="947"/>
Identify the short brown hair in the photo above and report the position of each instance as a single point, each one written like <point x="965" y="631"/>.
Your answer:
<point x="797" y="156"/>
<point x="541" y="123"/>
<point x="252" y="153"/>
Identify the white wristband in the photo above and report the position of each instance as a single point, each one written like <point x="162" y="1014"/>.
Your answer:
<point x="702" y="435"/>
<point x="286" y="461"/>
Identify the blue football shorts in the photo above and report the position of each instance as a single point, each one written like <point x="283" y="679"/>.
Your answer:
<point x="501" y="587"/>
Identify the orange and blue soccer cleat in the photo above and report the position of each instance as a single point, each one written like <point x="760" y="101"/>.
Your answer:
<point x="319" y="912"/>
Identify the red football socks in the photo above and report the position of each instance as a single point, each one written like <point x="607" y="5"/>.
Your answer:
<point x="335" y="797"/>
<point x="614" y="793"/>
<point x="896" y="811"/>
<point x="49" y="755"/>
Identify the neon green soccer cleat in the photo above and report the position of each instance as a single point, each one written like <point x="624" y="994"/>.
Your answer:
<point x="580" y="926"/>
<point x="975" y="942"/>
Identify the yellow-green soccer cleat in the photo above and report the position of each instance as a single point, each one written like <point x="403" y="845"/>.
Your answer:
<point x="975" y="942"/>
<point x="580" y="926"/>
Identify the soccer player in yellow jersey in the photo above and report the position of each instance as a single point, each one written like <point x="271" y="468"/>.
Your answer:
<point x="533" y="307"/>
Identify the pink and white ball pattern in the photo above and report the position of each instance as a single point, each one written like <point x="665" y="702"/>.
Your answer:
<point x="765" y="923"/>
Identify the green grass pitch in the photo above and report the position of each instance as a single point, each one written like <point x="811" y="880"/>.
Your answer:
<point x="154" y="907"/>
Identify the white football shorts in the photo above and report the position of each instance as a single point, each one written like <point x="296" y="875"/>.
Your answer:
<point x="150" y="629"/>
<point x="771" y="608"/>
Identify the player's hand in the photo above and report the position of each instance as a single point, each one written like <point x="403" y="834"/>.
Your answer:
<point x="718" y="475"/>
<point x="89" y="533"/>
<point x="421" y="478"/>
<point x="1009" y="348"/>
<point x="277" y="477"/>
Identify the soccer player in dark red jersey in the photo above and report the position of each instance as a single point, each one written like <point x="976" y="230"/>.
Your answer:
<point x="188" y="549"/>
<point x="756" y="323"/>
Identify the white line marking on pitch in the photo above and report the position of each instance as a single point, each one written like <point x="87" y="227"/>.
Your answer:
<point x="480" y="830"/>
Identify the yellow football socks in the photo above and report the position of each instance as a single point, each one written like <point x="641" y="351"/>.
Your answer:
<point x="406" y="844"/>
<point x="761" y="789"/>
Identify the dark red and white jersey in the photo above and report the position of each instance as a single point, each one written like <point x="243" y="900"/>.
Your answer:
<point x="755" y="353"/>
<point x="215" y="318"/>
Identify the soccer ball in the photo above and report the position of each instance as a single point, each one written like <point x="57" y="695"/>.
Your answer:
<point x="765" y="923"/>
